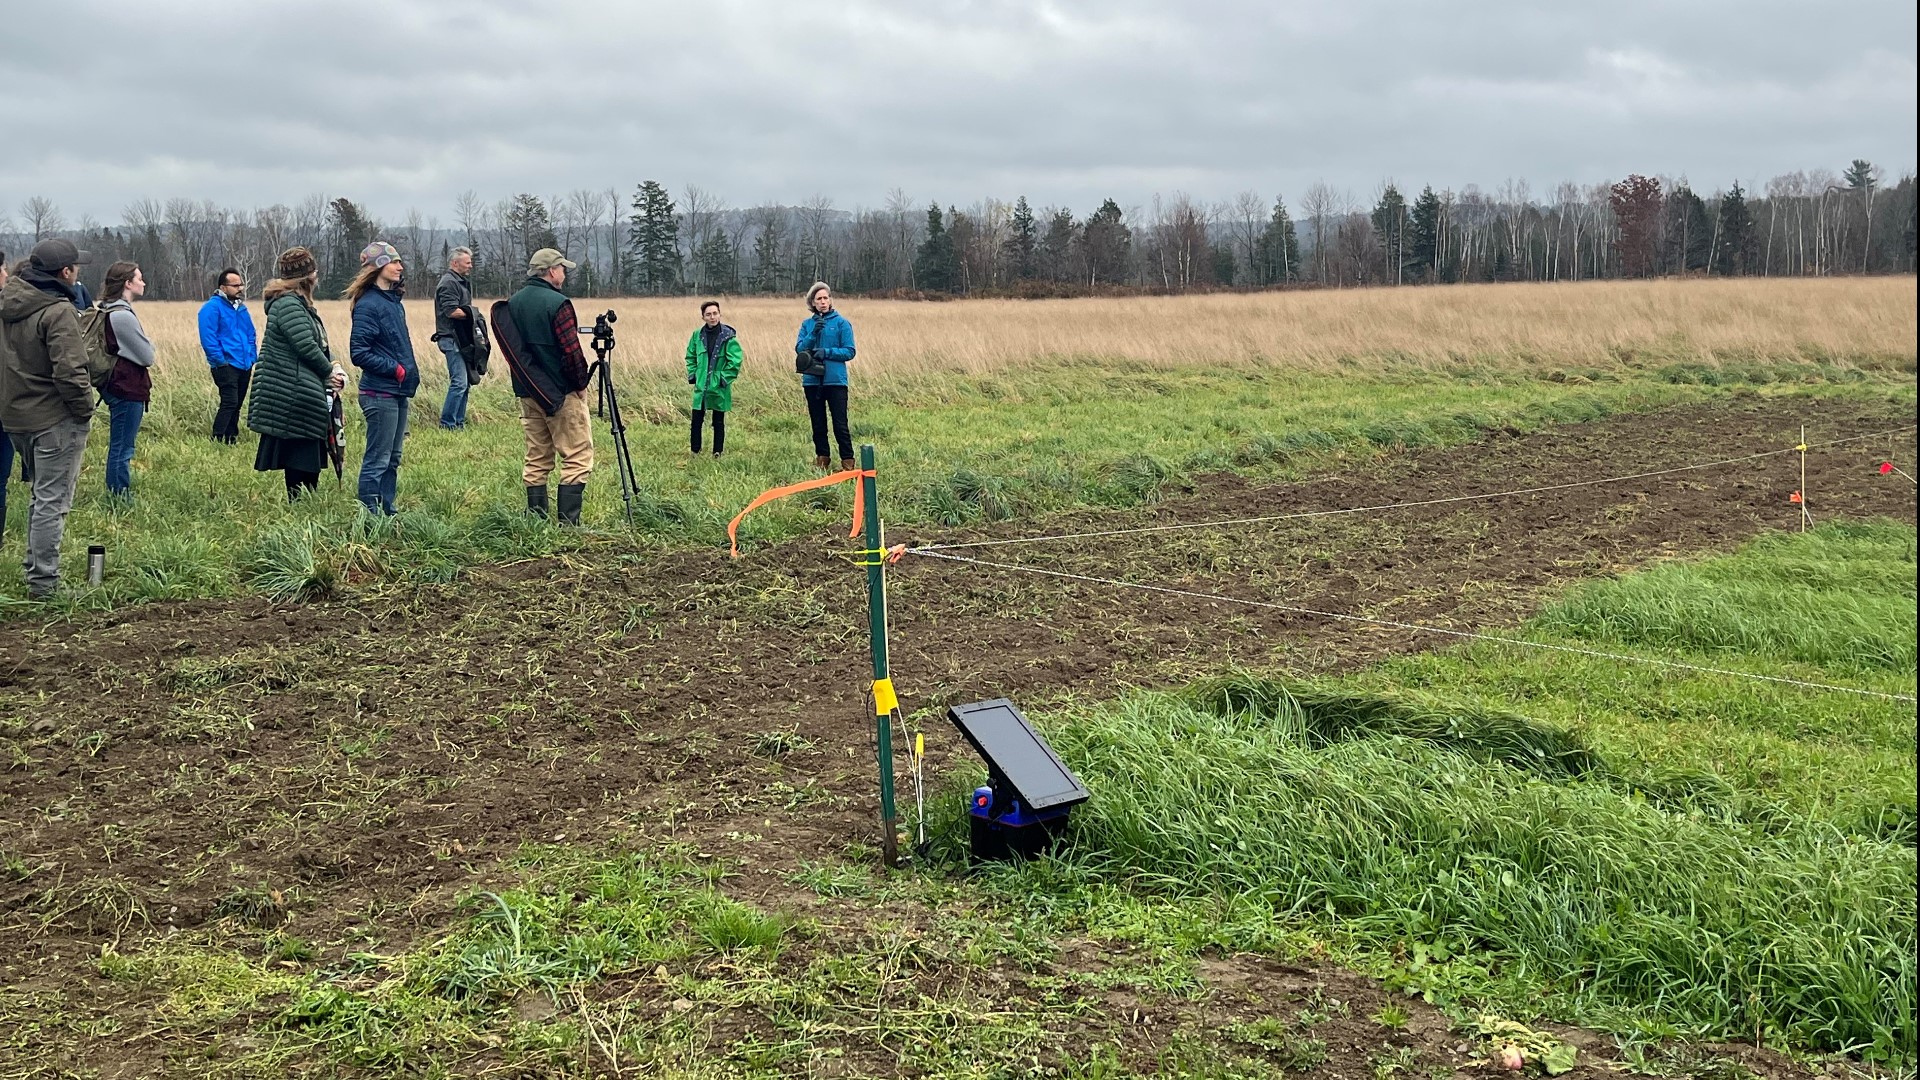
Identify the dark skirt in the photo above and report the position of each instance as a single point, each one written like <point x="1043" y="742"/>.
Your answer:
<point x="300" y="455"/>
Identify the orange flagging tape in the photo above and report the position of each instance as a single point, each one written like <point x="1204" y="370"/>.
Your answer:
<point x="765" y="497"/>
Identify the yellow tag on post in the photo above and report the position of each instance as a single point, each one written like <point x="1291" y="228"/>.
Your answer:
<point x="884" y="699"/>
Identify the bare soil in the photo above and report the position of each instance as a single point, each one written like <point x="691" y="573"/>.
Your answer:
<point x="352" y="768"/>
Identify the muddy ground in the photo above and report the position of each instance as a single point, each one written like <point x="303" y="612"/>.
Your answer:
<point x="364" y="762"/>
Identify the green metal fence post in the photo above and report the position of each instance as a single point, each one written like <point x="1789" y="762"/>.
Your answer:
<point x="884" y="699"/>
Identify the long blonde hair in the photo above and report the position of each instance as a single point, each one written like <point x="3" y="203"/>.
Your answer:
<point x="361" y="282"/>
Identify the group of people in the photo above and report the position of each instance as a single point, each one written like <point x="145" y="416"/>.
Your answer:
<point x="50" y="386"/>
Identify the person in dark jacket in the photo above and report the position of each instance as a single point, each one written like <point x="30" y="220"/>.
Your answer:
<point x="130" y="384"/>
<point x="827" y="337"/>
<point x="6" y="444"/>
<point x="383" y="351"/>
<point x="292" y="404"/>
<point x="46" y="397"/>
<point x="552" y="388"/>
<point x="713" y="363"/>
<point x="453" y="331"/>
<point x="226" y="336"/>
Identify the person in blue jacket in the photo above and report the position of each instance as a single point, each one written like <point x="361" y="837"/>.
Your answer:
<point x="826" y="340"/>
<point x="383" y="351"/>
<point x="226" y="336"/>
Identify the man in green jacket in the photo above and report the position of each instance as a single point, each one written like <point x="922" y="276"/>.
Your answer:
<point x="46" y="399"/>
<point x="550" y="378"/>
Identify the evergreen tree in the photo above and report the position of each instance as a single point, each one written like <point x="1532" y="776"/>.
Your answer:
<point x="1860" y="175"/>
<point x="719" y="264"/>
<point x="348" y="230"/>
<point x="653" y="241"/>
<point x="1423" y="237"/>
<point x="1277" y="252"/>
<point x="1390" y="225"/>
<point x="1734" y="254"/>
<point x="530" y="227"/>
<point x="766" y="257"/>
<point x="1687" y="239"/>
<point x="1022" y="242"/>
<point x="1106" y="244"/>
<point x="1056" y="247"/>
<point x="936" y="266"/>
<point x="1225" y="266"/>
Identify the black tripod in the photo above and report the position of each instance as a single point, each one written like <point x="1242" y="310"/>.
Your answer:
<point x="610" y="407"/>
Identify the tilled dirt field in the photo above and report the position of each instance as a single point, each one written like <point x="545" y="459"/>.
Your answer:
<point x="362" y="764"/>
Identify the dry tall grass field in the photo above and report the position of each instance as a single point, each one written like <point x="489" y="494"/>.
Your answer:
<point x="1862" y="320"/>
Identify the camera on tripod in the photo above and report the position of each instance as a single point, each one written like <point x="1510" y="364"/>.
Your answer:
<point x="602" y="332"/>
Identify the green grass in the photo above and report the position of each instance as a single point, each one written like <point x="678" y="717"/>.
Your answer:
<point x="1603" y="843"/>
<point x="1060" y="435"/>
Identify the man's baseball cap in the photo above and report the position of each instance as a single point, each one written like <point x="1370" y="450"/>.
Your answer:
<point x="546" y="259"/>
<point x="56" y="255"/>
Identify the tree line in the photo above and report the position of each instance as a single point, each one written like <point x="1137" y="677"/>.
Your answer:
<point x="648" y="242"/>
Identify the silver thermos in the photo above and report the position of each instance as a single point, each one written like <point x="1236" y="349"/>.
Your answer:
<point x="96" y="563"/>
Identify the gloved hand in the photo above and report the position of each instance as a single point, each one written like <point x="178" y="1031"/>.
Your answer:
<point x="399" y="373"/>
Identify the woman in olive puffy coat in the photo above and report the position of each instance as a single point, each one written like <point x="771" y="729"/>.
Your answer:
<point x="290" y="407"/>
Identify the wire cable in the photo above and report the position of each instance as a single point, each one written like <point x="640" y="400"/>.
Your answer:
<point x="1471" y="635"/>
<point x="1397" y="505"/>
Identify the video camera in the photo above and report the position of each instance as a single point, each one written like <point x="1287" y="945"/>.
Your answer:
<point x="602" y="331"/>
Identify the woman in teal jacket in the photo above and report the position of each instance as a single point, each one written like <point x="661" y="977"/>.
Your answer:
<point x="713" y="362"/>
<point x="827" y="339"/>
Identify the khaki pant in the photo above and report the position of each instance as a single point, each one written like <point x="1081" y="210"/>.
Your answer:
<point x="568" y="433"/>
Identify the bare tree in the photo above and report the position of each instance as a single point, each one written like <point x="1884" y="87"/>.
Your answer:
<point x="42" y="217"/>
<point x="698" y="215"/>
<point x="588" y="211"/>
<point x="1318" y="205"/>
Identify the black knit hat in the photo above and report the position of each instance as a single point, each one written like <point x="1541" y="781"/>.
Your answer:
<point x="294" y="264"/>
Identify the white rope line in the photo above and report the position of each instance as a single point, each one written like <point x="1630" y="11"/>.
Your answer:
<point x="1599" y="654"/>
<point x="1395" y="506"/>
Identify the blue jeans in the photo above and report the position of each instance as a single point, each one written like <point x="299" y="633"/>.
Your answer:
<point x="380" y="466"/>
<point x="123" y="429"/>
<point x="453" y="414"/>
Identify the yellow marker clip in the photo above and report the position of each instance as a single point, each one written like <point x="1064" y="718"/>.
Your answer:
<point x="884" y="699"/>
<point x="1802" y="448"/>
<point x="919" y="744"/>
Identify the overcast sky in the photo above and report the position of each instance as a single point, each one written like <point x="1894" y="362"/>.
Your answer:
<point x="404" y="104"/>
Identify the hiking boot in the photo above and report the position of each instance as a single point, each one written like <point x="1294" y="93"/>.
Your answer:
<point x="537" y="501"/>
<point x="820" y="462"/>
<point x="846" y="463"/>
<point x="571" y="495"/>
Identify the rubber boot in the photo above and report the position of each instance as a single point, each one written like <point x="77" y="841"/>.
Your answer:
<point x="571" y="496"/>
<point x="820" y="462"/>
<point x="537" y="501"/>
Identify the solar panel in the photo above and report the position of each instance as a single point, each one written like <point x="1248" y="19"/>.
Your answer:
<point x="1015" y="753"/>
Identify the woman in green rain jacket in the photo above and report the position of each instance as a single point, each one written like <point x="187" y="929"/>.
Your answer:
<point x="713" y="362"/>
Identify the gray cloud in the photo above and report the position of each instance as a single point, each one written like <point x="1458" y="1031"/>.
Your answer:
<point x="404" y="104"/>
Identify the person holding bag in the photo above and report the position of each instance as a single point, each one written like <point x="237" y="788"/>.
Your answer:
<point x="129" y="387"/>
<point x="713" y="363"/>
<point x="821" y="351"/>
<point x="292" y="407"/>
